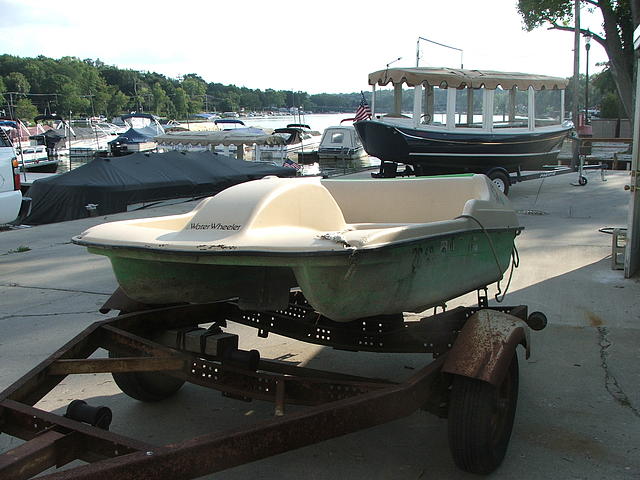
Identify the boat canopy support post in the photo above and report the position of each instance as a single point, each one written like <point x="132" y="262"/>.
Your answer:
<point x="417" y="105"/>
<point x="451" y="108"/>
<point x="397" y="97"/>
<point x="512" y="104"/>
<point x="487" y="107"/>
<point x="531" y="108"/>
<point x="373" y="100"/>
<point x="469" y="106"/>
<point x="428" y="103"/>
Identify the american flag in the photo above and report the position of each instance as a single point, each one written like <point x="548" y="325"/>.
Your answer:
<point x="291" y="164"/>
<point x="363" y="112"/>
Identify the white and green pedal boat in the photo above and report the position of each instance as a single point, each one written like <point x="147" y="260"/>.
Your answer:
<point x="356" y="248"/>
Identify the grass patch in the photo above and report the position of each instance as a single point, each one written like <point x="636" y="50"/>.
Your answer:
<point x="20" y="249"/>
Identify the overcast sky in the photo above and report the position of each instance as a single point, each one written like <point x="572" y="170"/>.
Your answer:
<point x="328" y="46"/>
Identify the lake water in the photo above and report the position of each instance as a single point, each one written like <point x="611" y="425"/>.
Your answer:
<point x="318" y="122"/>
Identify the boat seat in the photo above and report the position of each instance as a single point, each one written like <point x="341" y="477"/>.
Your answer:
<point x="416" y="200"/>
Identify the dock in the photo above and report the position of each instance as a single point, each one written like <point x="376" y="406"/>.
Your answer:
<point x="578" y="413"/>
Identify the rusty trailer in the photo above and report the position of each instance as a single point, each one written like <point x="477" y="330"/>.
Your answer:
<point x="153" y="351"/>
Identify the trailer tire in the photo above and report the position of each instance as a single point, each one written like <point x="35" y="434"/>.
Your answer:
<point x="582" y="181"/>
<point x="146" y="386"/>
<point x="501" y="180"/>
<point x="480" y="420"/>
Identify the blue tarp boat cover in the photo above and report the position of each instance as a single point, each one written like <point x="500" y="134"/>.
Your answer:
<point x="113" y="183"/>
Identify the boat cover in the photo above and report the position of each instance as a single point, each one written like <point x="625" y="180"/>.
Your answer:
<point x="457" y="78"/>
<point x="137" y="135"/>
<point x="115" y="182"/>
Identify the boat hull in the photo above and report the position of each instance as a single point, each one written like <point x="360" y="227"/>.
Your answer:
<point x="457" y="152"/>
<point x="343" y="286"/>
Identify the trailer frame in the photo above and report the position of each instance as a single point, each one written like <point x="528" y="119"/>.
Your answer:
<point x="187" y="343"/>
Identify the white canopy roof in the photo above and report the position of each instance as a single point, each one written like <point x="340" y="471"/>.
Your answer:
<point x="226" y="137"/>
<point x="457" y="78"/>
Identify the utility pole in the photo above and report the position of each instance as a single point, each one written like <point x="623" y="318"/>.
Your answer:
<point x="576" y="70"/>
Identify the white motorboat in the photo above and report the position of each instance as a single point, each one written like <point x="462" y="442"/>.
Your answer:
<point x="341" y="142"/>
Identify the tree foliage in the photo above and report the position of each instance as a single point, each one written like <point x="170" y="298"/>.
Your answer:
<point x="616" y="36"/>
<point x="89" y="87"/>
<point x="25" y="109"/>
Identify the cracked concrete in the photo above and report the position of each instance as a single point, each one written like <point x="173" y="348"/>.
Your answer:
<point x="579" y="396"/>
<point x="611" y="382"/>
<point x="36" y="287"/>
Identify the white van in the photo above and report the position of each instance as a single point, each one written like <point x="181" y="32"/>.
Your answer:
<point x="12" y="204"/>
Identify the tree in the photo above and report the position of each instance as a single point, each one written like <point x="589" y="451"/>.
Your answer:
<point x="17" y="82"/>
<point x="619" y="17"/>
<point x="117" y="101"/>
<point x="195" y="87"/>
<point x="181" y="103"/>
<point x="25" y="110"/>
<point x="69" y="100"/>
<point x="160" y="100"/>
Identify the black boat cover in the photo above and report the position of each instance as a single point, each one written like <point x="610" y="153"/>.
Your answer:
<point x="113" y="183"/>
<point x="137" y="135"/>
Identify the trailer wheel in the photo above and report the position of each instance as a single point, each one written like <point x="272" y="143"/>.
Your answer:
<point x="481" y="419"/>
<point x="582" y="181"/>
<point x="146" y="386"/>
<point x="501" y="180"/>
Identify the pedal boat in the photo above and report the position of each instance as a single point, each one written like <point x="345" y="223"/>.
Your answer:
<point x="356" y="248"/>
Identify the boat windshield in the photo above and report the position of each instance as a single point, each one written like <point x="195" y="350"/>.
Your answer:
<point x="548" y="108"/>
<point x="138" y="122"/>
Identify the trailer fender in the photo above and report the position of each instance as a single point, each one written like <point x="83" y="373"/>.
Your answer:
<point x="485" y="346"/>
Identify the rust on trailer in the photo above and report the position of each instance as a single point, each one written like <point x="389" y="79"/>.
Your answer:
<point x="486" y="344"/>
<point x="173" y="341"/>
<point x="215" y="452"/>
<point x="116" y="365"/>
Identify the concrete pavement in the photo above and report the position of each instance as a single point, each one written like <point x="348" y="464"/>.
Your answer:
<point x="579" y="406"/>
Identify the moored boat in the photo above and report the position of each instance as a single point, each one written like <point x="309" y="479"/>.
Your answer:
<point x="425" y="241"/>
<point x="341" y="141"/>
<point x="467" y="120"/>
<point x="230" y="142"/>
<point x="298" y="138"/>
<point x="30" y="144"/>
<point x="143" y="127"/>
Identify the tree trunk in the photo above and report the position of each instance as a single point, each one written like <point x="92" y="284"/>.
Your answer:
<point x="621" y="61"/>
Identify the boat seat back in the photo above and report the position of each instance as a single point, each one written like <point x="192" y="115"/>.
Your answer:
<point x="266" y="203"/>
<point x="414" y="200"/>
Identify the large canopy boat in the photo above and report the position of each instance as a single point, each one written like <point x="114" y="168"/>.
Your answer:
<point x="467" y="120"/>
